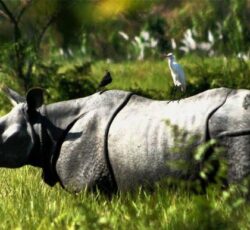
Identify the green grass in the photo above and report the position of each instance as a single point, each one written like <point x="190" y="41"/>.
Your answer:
<point x="27" y="203"/>
<point x="152" y="78"/>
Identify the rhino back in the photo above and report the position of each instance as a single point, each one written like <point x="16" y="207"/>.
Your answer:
<point x="143" y="137"/>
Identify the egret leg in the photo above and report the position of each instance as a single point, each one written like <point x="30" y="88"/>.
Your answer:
<point x="174" y="93"/>
<point x="102" y="91"/>
<point x="183" y="93"/>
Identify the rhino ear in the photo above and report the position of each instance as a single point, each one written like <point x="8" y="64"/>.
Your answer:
<point x="13" y="96"/>
<point x="34" y="98"/>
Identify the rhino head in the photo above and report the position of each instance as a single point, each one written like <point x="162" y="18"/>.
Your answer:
<point x="16" y="134"/>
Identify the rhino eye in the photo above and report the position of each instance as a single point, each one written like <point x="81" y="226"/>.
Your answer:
<point x="12" y="131"/>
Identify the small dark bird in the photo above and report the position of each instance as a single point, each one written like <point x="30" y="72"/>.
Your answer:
<point x="107" y="79"/>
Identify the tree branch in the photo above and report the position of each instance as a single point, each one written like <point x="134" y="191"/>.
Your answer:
<point x="17" y="40"/>
<point x="37" y="45"/>
<point x="17" y="32"/>
<point x="8" y="12"/>
<point x="4" y="14"/>
<point x="22" y="11"/>
<point x="44" y="29"/>
<point x="28" y="74"/>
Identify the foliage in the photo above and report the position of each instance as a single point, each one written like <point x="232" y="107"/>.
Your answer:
<point x="67" y="80"/>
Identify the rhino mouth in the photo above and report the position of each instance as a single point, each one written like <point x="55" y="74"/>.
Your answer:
<point x="12" y="156"/>
<point x="16" y="142"/>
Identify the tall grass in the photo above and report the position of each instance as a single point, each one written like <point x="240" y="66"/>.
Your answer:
<point x="27" y="203"/>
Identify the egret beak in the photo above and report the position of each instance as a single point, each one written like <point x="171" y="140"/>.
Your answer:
<point x="167" y="55"/>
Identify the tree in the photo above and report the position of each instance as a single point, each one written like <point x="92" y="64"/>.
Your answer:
<point x="74" y="24"/>
<point x="25" y="48"/>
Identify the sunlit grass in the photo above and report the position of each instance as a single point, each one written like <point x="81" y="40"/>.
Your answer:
<point x="153" y="79"/>
<point x="27" y="203"/>
<point x="149" y="78"/>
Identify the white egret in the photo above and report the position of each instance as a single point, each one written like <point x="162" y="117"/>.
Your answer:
<point x="177" y="72"/>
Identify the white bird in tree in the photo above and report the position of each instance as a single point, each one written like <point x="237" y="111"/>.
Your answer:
<point x="177" y="72"/>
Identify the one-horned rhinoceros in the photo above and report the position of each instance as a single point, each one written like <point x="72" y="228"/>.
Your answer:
<point x="118" y="140"/>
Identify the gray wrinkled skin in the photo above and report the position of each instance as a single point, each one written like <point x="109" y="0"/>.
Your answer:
<point x="141" y="140"/>
<point x="141" y="145"/>
<point x="234" y="116"/>
<point x="81" y="161"/>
